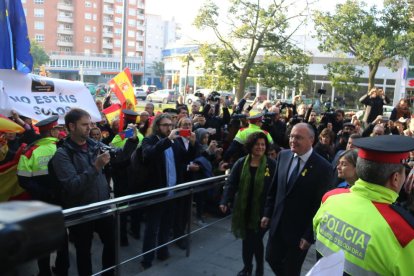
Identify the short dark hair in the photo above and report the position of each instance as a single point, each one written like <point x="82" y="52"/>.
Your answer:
<point x="74" y="115"/>
<point x="252" y="139"/>
<point x="341" y="112"/>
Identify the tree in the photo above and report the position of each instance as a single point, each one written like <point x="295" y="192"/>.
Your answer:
<point x="158" y="67"/>
<point x="39" y="55"/>
<point x="280" y="72"/>
<point x="250" y="28"/>
<point x="371" y="35"/>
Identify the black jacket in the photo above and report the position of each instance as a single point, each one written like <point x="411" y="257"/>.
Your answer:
<point x="81" y="183"/>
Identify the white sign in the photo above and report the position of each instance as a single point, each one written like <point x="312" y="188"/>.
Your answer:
<point x="39" y="97"/>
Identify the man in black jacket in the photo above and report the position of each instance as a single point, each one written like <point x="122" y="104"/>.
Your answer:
<point x="158" y="154"/>
<point x="78" y="165"/>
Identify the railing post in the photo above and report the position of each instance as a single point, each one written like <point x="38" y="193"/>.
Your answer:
<point x="117" y="270"/>
<point x="190" y="212"/>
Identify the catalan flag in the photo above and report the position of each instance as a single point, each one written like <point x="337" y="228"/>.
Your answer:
<point x="14" y="43"/>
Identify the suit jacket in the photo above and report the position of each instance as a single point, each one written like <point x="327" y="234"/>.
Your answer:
<point x="183" y="157"/>
<point x="292" y="208"/>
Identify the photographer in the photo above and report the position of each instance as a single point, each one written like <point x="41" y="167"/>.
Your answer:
<point x="78" y="165"/>
<point x="211" y="115"/>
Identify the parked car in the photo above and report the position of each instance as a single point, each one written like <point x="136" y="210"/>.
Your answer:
<point x="140" y="93"/>
<point x="149" y="89"/>
<point x="164" y="96"/>
<point x="190" y="98"/>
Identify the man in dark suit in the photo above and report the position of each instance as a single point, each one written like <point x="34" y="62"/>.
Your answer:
<point x="302" y="177"/>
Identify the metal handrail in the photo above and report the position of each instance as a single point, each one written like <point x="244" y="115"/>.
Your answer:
<point x="124" y="199"/>
<point x="116" y="206"/>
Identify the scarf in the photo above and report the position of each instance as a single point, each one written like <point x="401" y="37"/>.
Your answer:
<point x="239" y="221"/>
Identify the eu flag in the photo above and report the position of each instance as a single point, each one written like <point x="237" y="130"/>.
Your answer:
<point x="14" y="40"/>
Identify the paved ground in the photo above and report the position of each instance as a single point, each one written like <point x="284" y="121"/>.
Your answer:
<point x="214" y="251"/>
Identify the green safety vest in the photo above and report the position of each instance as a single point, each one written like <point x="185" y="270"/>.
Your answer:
<point x="243" y="133"/>
<point x="34" y="161"/>
<point x="361" y="221"/>
<point x="118" y="142"/>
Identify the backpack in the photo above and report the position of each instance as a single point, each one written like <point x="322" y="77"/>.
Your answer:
<point x="57" y="188"/>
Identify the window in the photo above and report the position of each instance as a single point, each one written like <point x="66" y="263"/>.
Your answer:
<point x="88" y="16"/>
<point x="94" y="40"/>
<point x="39" y="38"/>
<point x="88" y="28"/>
<point x="94" y="16"/>
<point x="131" y="34"/>
<point x="133" y="2"/>
<point x="87" y="51"/>
<point x="117" y="42"/>
<point x="88" y="4"/>
<point x="118" y="31"/>
<point x="39" y="12"/>
<point x="132" y="12"/>
<point x="87" y="39"/>
<point x="39" y="25"/>
<point x="119" y="9"/>
<point x="131" y="22"/>
<point x="118" y="20"/>
<point x="94" y="29"/>
<point x="38" y="1"/>
<point x="131" y="43"/>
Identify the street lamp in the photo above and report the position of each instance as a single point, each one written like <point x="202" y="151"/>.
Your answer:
<point x="188" y="58"/>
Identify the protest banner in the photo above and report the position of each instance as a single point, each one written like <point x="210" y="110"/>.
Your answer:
<point x="40" y="97"/>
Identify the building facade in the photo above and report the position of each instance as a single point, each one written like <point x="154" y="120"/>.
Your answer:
<point x="84" y="38"/>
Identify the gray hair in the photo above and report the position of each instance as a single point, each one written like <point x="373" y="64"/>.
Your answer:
<point x="377" y="173"/>
<point x="311" y="132"/>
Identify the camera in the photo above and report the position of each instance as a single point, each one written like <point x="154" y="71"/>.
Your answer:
<point x="214" y="96"/>
<point x="328" y="117"/>
<point x="198" y="94"/>
<point x="284" y="105"/>
<point x="112" y="151"/>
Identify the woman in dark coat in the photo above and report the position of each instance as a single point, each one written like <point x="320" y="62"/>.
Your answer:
<point x="250" y="178"/>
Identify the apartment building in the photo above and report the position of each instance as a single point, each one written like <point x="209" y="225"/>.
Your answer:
<point x="84" y="38"/>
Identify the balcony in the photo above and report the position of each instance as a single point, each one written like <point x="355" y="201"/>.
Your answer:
<point x="108" y="34"/>
<point x="140" y="37"/>
<point x="65" y="19"/>
<point x="64" y="43"/>
<point x="107" y="46"/>
<point x="108" y="11"/>
<point x="140" y="27"/>
<point x="141" y="16"/>
<point x="108" y="23"/>
<point x="65" y="7"/>
<point x="109" y="1"/>
<point x="139" y="48"/>
<point x="65" y="31"/>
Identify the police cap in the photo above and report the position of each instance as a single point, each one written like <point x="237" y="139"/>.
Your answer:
<point x="47" y="124"/>
<point x="130" y="115"/>
<point x="255" y="118"/>
<point x="384" y="148"/>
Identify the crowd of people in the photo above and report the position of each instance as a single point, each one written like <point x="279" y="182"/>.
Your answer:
<point x="281" y="161"/>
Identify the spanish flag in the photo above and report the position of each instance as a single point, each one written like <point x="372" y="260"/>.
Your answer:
<point x="112" y="112"/>
<point x="10" y="188"/>
<point x="122" y="86"/>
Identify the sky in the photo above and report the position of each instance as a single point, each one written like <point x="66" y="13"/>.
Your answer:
<point x="184" y="12"/>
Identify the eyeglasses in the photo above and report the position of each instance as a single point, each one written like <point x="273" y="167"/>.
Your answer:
<point x="167" y="125"/>
<point x="296" y="137"/>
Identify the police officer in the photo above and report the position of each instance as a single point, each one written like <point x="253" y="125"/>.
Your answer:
<point x="376" y="235"/>
<point x="33" y="175"/>
<point x="120" y="174"/>
<point x="236" y="146"/>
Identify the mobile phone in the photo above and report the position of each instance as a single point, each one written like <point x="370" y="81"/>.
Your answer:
<point x="184" y="132"/>
<point x="128" y="133"/>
